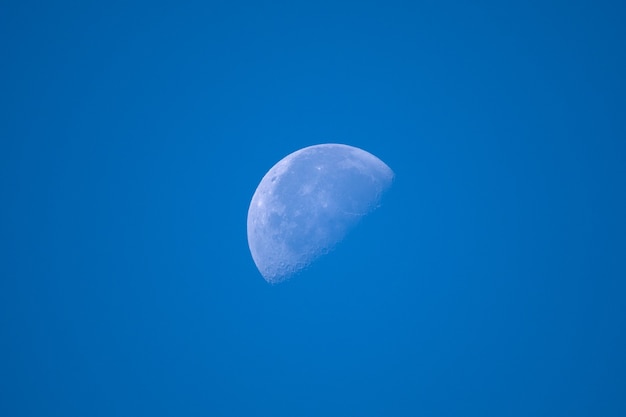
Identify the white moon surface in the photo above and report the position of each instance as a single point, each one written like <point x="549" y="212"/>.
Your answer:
<point x="308" y="202"/>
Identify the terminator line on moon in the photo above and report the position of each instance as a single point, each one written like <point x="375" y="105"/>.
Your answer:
<point x="307" y="203"/>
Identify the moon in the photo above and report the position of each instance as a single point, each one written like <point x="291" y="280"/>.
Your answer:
<point x="308" y="202"/>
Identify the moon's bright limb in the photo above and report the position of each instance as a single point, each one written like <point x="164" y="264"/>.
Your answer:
<point x="307" y="203"/>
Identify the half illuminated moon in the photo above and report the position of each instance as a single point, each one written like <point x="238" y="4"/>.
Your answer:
<point x="308" y="202"/>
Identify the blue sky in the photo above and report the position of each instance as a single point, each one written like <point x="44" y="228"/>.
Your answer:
<point x="491" y="281"/>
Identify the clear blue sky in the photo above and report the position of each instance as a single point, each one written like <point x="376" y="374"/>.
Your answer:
<point x="491" y="282"/>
